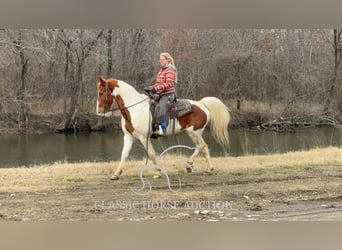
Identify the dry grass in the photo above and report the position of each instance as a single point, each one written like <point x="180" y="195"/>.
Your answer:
<point x="59" y="175"/>
<point x="273" y="186"/>
<point x="331" y="156"/>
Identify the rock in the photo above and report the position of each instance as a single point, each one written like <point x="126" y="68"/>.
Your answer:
<point x="246" y="197"/>
<point x="181" y="215"/>
<point x="16" y="217"/>
<point x="220" y="214"/>
<point x="203" y="212"/>
<point x="224" y="218"/>
<point x="12" y="195"/>
<point x="256" y="207"/>
<point x="332" y="206"/>
<point x="291" y="201"/>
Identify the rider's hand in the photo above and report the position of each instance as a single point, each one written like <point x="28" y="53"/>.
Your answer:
<point x="150" y="90"/>
<point x="153" y="91"/>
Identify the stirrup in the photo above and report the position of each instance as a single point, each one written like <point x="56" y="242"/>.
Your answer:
<point x="154" y="135"/>
<point x="157" y="134"/>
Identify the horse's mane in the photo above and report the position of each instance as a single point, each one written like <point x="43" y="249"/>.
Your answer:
<point x="127" y="88"/>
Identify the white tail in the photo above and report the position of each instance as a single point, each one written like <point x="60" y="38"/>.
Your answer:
<point x="219" y="119"/>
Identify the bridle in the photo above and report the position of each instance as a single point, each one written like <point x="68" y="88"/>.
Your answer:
<point x="118" y="108"/>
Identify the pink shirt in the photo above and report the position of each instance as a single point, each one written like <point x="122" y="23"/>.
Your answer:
<point x="165" y="81"/>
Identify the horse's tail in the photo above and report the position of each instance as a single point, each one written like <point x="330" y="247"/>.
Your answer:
<point x="219" y="119"/>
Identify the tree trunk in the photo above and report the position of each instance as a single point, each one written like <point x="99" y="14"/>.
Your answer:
<point x="22" y="112"/>
<point x="331" y="94"/>
<point x="109" y="53"/>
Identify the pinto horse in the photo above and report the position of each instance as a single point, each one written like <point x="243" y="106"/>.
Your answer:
<point x="136" y="122"/>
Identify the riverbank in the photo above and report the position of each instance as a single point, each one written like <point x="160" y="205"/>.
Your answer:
<point x="293" y="186"/>
<point x="239" y="119"/>
<point x="249" y="115"/>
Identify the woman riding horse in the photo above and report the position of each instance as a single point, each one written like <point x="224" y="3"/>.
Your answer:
<point x="163" y="94"/>
<point x="136" y="122"/>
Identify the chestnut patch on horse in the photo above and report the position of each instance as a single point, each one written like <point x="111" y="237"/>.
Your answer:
<point x="125" y="113"/>
<point x="112" y="83"/>
<point x="197" y="118"/>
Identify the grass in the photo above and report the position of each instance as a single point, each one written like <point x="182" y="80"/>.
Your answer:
<point x="60" y="175"/>
<point x="65" y="191"/>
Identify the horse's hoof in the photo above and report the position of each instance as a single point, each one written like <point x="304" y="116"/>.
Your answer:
<point x="156" y="176"/>
<point x="114" y="178"/>
<point x="209" y="172"/>
<point x="189" y="167"/>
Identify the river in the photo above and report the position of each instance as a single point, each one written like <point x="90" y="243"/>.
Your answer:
<point x="31" y="150"/>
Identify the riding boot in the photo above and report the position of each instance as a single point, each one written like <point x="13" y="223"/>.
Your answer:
<point x="160" y="133"/>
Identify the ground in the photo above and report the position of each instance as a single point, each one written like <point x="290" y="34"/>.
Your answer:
<point x="292" y="186"/>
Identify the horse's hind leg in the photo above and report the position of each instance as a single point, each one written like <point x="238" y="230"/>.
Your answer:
<point x="196" y="137"/>
<point x="127" y="146"/>
<point x="210" y="168"/>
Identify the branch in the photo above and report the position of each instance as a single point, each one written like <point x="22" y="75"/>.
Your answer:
<point x="93" y="43"/>
<point x="40" y="50"/>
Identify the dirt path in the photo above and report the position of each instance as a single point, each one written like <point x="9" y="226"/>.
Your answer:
<point x="311" y="191"/>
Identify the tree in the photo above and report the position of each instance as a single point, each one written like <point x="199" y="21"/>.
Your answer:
<point x="77" y="49"/>
<point x="109" y="52"/>
<point x="333" y="90"/>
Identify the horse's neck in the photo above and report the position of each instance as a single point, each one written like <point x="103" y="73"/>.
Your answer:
<point x="129" y="95"/>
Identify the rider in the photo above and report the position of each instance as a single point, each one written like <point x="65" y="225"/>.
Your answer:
<point x="163" y="94"/>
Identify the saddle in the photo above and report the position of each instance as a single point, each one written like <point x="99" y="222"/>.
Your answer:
<point x="180" y="108"/>
<point x="177" y="109"/>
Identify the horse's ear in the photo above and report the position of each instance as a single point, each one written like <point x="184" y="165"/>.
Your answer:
<point x="102" y="79"/>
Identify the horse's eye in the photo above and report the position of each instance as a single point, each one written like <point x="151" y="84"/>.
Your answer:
<point x="100" y="93"/>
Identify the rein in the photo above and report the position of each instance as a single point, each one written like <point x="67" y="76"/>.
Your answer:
<point x="118" y="108"/>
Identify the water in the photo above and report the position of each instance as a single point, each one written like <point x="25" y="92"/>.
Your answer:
<point x="30" y="150"/>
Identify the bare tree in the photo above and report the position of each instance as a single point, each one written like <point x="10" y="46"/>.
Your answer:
<point x="77" y="49"/>
<point x="109" y="52"/>
<point x="332" y="89"/>
<point x="53" y="72"/>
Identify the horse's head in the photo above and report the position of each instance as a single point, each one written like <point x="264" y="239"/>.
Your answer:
<point x="104" y="95"/>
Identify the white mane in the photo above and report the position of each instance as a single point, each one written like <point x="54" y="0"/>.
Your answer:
<point x="127" y="92"/>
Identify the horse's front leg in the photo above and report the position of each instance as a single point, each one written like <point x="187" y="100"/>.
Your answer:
<point x="150" y="151"/>
<point x="127" y="146"/>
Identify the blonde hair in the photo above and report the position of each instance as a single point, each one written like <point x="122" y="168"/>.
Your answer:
<point x="169" y="58"/>
<point x="171" y="62"/>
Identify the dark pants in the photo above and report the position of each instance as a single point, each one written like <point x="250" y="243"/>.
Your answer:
<point x="159" y="111"/>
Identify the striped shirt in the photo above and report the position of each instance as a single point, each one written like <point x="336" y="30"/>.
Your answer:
<point x="165" y="83"/>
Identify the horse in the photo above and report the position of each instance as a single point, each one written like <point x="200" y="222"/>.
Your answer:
<point x="136" y="121"/>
